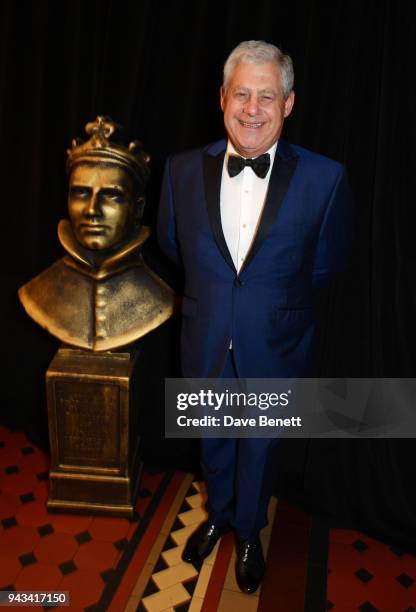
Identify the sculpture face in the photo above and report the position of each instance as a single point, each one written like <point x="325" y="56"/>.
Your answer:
<point x="102" y="204"/>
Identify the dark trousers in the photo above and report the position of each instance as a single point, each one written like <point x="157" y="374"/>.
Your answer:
<point x="239" y="476"/>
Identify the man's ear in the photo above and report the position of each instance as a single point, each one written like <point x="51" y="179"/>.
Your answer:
<point x="289" y="102"/>
<point x="222" y="98"/>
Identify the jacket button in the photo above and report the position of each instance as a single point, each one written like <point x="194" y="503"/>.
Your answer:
<point x="238" y="282"/>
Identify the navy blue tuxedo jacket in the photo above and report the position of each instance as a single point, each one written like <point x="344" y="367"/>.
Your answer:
<point x="303" y="240"/>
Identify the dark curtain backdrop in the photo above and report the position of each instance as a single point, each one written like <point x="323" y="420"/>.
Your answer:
<point x="155" y="67"/>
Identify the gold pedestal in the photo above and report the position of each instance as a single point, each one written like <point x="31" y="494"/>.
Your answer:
<point x="92" y="411"/>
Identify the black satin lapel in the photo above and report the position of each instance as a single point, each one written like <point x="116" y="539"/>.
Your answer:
<point x="282" y="173"/>
<point x="212" y="177"/>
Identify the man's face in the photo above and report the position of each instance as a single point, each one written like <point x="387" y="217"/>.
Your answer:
<point x="101" y="205"/>
<point x="254" y="107"/>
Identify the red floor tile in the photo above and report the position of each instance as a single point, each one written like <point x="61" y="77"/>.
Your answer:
<point x="8" y="456"/>
<point x="38" y="577"/>
<point x="41" y="491"/>
<point x="18" y="540"/>
<point x="346" y="536"/>
<point x="4" y="432"/>
<point x="35" y="462"/>
<point x="82" y="560"/>
<point x="343" y="608"/>
<point x="376" y="549"/>
<point x="70" y="523"/>
<point x="109" y="529"/>
<point x="56" y="548"/>
<point x="9" y="505"/>
<point x="149" y="482"/>
<point x="17" y="439"/>
<point x="344" y="589"/>
<point x="389" y="595"/>
<point x="96" y="555"/>
<point x="342" y="558"/>
<point x="9" y="568"/>
<point x="131" y="530"/>
<point x="385" y="567"/>
<point x="119" y="555"/>
<point x="85" y="587"/>
<point x="32" y="513"/>
<point x="408" y="563"/>
<point x="19" y="483"/>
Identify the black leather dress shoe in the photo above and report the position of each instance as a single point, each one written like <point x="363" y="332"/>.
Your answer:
<point x="250" y="566"/>
<point x="202" y="542"/>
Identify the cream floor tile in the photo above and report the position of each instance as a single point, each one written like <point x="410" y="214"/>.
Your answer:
<point x="196" y="604"/>
<point x="265" y="534"/>
<point x="195" y="501"/>
<point x="173" y="511"/>
<point x="196" y="515"/>
<point x="230" y="600"/>
<point x="169" y="598"/>
<point x="203" y="580"/>
<point x="181" y="535"/>
<point x="172" y="575"/>
<point x="265" y="541"/>
<point x="272" y="508"/>
<point x="173" y="556"/>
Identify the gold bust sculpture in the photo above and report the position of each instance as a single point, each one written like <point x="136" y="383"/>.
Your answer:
<point x="101" y="295"/>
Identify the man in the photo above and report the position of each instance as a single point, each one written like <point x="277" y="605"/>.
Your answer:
<point x="101" y="295"/>
<point x="257" y="225"/>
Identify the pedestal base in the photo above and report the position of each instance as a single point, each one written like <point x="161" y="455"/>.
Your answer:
<point x="92" y="411"/>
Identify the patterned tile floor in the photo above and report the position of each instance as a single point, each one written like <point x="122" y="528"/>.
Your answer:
<point x="173" y="584"/>
<point x="44" y="551"/>
<point x="367" y="575"/>
<point x="115" y="564"/>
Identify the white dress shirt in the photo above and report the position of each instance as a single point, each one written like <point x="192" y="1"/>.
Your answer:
<point x="242" y="199"/>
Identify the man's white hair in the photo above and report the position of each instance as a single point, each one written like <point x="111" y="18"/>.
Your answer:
<point x="260" y="52"/>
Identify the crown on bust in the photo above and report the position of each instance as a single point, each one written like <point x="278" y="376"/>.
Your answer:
<point x="100" y="149"/>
